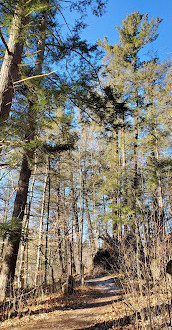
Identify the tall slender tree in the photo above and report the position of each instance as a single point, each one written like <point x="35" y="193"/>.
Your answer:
<point x="122" y="64"/>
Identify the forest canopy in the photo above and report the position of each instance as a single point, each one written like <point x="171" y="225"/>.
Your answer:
<point x="85" y="146"/>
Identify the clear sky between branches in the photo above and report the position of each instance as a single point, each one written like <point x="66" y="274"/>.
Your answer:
<point x="117" y="11"/>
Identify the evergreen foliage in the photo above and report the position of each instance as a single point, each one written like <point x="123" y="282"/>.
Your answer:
<point x="85" y="150"/>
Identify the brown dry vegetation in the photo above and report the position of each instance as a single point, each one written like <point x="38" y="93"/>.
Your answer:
<point x="96" y="307"/>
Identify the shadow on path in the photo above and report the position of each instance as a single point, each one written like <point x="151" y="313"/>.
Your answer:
<point x="76" y="310"/>
<point x="128" y="319"/>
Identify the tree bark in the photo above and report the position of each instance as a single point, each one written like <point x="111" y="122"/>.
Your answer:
<point x="14" y="236"/>
<point x="72" y="260"/>
<point x="82" y="188"/>
<point x="21" y="282"/>
<point x="47" y="224"/>
<point x="41" y="223"/>
<point x="10" y="66"/>
<point x="58" y="219"/>
<point x="124" y="173"/>
<point x="75" y="214"/>
<point x="115" y="199"/>
<point x="90" y="227"/>
<point x="66" y="242"/>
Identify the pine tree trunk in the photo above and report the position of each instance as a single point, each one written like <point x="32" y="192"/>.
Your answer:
<point x="10" y="65"/>
<point x="82" y="189"/>
<point x="157" y="198"/>
<point x="72" y="260"/>
<point x="41" y="224"/>
<point x="58" y="219"/>
<point x="124" y="174"/>
<point x="47" y="224"/>
<point x="14" y="236"/>
<point x="116" y="191"/>
<point x="75" y="214"/>
<point x="66" y="245"/>
<point x="21" y="272"/>
<point x="160" y="220"/>
<point x="90" y="227"/>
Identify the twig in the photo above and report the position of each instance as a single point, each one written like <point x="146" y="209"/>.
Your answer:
<point x="131" y="307"/>
<point x="34" y="77"/>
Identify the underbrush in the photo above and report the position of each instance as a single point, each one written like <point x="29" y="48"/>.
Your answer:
<point x="42" y="300"/>
<point x="150" y="308"/>
<point x="144" y="298"/>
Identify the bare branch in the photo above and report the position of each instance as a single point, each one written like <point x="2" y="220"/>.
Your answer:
<point x="5" y="44"/>
<point x="34" y="77"/>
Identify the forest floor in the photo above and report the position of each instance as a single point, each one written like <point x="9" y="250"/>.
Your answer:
<point x="98" y="305"/>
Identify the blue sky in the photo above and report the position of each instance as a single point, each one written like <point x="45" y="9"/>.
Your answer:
<point x="117" y="10"/>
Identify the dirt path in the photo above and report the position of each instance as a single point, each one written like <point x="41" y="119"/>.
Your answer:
<point x="91" y="308"/>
